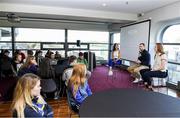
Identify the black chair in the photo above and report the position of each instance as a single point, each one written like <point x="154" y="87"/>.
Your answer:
<point x="72" y="103"/>
<point x="160" y="80"/>
<point x="48" y="86"/>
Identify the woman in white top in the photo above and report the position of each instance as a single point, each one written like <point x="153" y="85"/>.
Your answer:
<point x="115" y="56"/>
<point x="159" y="68"/>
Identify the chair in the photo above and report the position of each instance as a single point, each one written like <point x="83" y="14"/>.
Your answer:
<point x="48" y="86"/>
<point x="72" y="103"/>
<point x="160" y="82"/>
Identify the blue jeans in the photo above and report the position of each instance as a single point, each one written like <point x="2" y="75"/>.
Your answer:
<point x="147" y="75"/>
<point x="112" y="62"/>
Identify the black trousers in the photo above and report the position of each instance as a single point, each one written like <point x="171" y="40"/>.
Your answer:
<point x="148" y="74"/>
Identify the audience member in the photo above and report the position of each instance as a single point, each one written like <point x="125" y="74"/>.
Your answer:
<point x="79" y="84"/>
<point x="38" y="56"/>
<point x="30" y="66"/>
<point x="57" y="55"/>
<point x="82" y="60"/>
<point x="30" y="53"/>
<point x="68" y="72"/>
<point x="27" y="100"/>
<point x="17" y="62"/>
<point x="159" y="68"/>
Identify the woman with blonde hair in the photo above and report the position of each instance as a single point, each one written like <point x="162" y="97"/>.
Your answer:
<point x="78" y="83"/>
<point x="27" y="101"/>
<point x="159" y="68"/>
<point x="30" y="66"/>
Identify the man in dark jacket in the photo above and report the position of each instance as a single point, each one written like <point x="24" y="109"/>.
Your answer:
<point x="143" y="62"/>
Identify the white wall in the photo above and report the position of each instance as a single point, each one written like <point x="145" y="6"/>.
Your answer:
<point x="161" y="18"/>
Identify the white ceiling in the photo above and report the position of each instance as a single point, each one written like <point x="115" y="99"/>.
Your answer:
<point x="127" y="6"/>
<point x="115" y="11"/>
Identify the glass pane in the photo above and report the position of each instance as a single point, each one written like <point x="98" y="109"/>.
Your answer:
<point x="116" y="38"/>
<point x="174" y="73"/>
<point x="5" y="34"/>
<point x="39" y="35"/>
<point x="172" y="35"/>
<point x="73" y="46"/>
<point x="51" y="46"/>
<point x="27" y="45"/>
<point x="101" y="55"/>
<point x="61" y="52"/>
<point x="173" y="52"/>
<point x="5" y="45"/>
<point x="75" y="52"/>
<point x="88" y="36"/>
<point x="98" y="46"/>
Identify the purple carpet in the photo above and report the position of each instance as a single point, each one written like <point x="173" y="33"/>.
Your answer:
<point x="100" y="80"/>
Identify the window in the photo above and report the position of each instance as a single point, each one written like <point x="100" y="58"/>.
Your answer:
<point x="116" y="38"/>
<point x="96" y="40"/>
<point x="5" y="39"/>
<point x="39" y="35"/>
<point x="88" y="36"/>
<point x="171" y="41"/>
<point x="5" y="34"/>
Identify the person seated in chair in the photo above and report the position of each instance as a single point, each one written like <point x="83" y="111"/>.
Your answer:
<point x="82" y="60"/>
<point x="78" y="83"/>
<point x="143" y="62"/>
<point x="68" y="72"/>
<point x="115" y="56"/>
<point x="30" y="66"/>
<point x="159" y="68"/>
<point x="27" y="100"/>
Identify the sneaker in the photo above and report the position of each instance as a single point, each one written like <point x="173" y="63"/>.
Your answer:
<point x="136" y="81"/>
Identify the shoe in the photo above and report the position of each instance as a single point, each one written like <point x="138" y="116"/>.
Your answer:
<point x="135" y="81"/>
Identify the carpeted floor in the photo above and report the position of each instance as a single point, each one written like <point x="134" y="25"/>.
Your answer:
<point x="100" y="80"/>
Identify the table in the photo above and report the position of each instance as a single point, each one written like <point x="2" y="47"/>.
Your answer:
<point x="130" y="103"/>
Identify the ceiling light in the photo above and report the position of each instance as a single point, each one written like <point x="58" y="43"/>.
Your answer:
<point x="104" y="4"/>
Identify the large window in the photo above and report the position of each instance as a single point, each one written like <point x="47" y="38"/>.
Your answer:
<point x="6" y="39"/>
<point x="44" y="39"/>
<point x="94" y="41"/>
<point x="171" y="41"/>
<point x="88" y="36"/>
<point x="39" y="35"/>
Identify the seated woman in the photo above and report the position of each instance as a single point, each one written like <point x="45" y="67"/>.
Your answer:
<point x="17" y="62"/>
<point x="27" y="100"/>
<point x="78" y="84"/>
<point x="30" y="66"/>
<point x="159" y="67"/>
<point x="115" y="56"/>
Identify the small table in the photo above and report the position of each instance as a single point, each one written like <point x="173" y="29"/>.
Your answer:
<point x="130" y="103"/>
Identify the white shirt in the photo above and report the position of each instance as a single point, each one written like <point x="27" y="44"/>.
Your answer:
<point x="158" y="60"/>
<point x="116" y="54"/>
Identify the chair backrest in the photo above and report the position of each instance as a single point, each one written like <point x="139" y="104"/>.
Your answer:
<point x="45" y="69"/>
<point x="72" y="103"/>
<point x="48" y="85"/>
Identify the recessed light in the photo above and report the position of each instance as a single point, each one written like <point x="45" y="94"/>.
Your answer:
<point x="104" y="4"/>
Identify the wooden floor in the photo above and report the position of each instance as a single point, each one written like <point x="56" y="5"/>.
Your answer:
<point x="61" y="109"/>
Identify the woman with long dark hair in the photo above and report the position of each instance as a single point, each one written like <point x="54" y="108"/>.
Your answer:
<point x="115" y="56"/>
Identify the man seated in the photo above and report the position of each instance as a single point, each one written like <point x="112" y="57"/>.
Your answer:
<point x="143" y="62"/>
